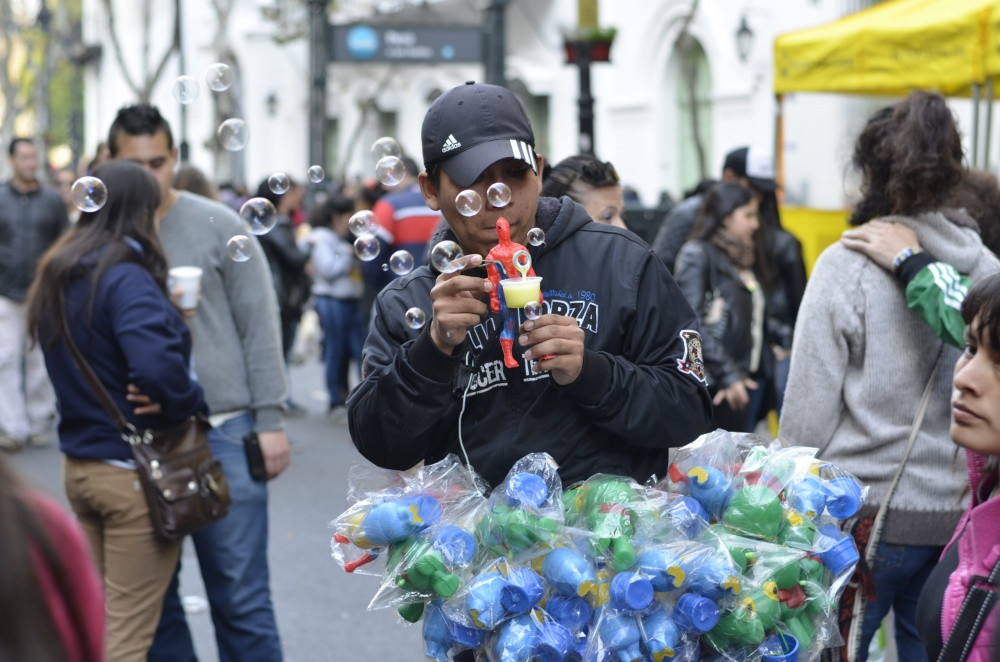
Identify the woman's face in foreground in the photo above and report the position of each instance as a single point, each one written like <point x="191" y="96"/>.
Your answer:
<point x="975" y="395"/>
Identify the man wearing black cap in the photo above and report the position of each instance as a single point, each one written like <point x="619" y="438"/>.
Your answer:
<point x="745" y="166"/>
<point x="625" y="380"/>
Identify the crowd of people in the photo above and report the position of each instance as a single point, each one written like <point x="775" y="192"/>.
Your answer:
<point x="637" y="349"/>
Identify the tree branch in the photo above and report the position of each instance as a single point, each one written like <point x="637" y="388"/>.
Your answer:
<point x="174" y="45"/>
<point x="117" y="48"/>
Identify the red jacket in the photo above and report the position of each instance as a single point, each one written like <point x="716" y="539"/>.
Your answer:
<point x="77" y="609"/>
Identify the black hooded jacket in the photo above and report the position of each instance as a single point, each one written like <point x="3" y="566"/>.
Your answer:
<point x="641" y="390"/>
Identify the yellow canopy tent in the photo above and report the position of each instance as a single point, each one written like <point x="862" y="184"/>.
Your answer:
<point x="895" y="47"/>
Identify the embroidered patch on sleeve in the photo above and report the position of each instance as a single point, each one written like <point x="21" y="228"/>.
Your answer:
<point x="692" y="363"/>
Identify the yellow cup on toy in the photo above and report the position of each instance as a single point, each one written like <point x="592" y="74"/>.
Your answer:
<point x="518" y="292"/>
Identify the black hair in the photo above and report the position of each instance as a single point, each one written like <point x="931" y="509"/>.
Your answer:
<point x="29" y="631"/>
<point x="577" y="175"/>
<point x="412" y="169"/>
<point x="322" y="215"/>
<point x="95" y="243"/>
<point x="142" y="119"/>
<point x="720" y="201"/>
<point x="190" y="178"/>
<point x="979" y="196"/>
<point x="910" y="158"/>
<point x="983" y="300"/>
<point x="12" y="147"/>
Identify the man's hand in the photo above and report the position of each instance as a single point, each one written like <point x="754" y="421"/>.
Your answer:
<point x="274" y="447"/>
<point x="557" y="344"/>
<point x="144" y="405"/>
<point x="456" y="306"/>
<point x="736" y="395"/>
<point x="880" y="241"/>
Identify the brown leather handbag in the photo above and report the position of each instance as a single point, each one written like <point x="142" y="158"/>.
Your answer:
<point x="183" y="483"/>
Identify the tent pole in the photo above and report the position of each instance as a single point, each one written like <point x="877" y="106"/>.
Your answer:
<point x="989" y="123"/>
<point x="779" y="142"/>
<point x="976" y="93"/>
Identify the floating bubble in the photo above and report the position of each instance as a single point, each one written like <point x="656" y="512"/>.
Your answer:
<point x="385" y="267"/>
<point x="401" y="263"/>
<point x="219" y="77"/>
<point x="536" y="236"/>
<point x="234" y="134"/>
<point x="386" y="146"/>
<point x="468" y="203"/>
<point x="390" y="170"/>
<point x="498" y="194"/>
<point x="415" y="318"/>
<point x="89" y="194"/>
<point x="185" y="89"/>
<point x="366" y="247"/>
<point x="239" y="248"/>
<point x="258" y="215"/>
<point x="444" y="255"/>
<point x="279" y="183"/>
<point x="361" y="223"/>
<point x="533" y="310"/>
<point x="316" y="174"/>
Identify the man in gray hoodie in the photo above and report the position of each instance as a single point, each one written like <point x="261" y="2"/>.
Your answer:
<point x="237" y="357"/>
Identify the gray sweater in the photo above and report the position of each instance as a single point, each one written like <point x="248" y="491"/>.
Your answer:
<point x="336" y="271"/>
<point x="860" y="362"/>
<point x="236" y="339"/>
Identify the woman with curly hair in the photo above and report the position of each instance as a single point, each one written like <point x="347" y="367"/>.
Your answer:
<point x="861" y="361"/>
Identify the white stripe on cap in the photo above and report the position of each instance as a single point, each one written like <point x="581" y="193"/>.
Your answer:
<point x="513" y="146"/>
<point x="524" y="152"/>
<point x="534" y="159"/>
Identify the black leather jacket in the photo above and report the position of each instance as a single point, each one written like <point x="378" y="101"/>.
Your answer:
<point x="789" y="285"/>
<point x="724" y="306"/>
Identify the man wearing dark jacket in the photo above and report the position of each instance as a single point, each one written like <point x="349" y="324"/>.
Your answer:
<point x="752" y="169"/>
<point x="31" y="219"/>
<point x="625" y="380"/>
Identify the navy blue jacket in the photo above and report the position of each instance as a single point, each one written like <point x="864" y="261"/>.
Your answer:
<point x="136" y="336"/>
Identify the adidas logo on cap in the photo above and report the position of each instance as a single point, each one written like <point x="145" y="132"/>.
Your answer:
<point x="450" y="144"/>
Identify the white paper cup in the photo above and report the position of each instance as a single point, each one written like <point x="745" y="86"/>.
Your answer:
<point x="188" y="281"/>
<point x="520" y="291"/>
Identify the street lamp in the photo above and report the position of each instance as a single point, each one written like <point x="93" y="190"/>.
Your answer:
<point x="744" y="39"/>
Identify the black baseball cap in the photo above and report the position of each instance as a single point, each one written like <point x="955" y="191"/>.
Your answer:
<point x="471" y="127"/>
<point x="754" y="165"/>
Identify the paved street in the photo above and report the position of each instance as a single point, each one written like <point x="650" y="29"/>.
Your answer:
<point x="321" y="609"/>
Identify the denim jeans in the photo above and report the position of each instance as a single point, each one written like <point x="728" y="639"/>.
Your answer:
<point x="232" y="554"/>
<point x="899" y="572"/>
<point x="343" y="339"/>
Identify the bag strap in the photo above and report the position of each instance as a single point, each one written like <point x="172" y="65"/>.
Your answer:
<point x="876" y="533"/>
<point x="978" y="603"/>
<point x="126" y="429"/>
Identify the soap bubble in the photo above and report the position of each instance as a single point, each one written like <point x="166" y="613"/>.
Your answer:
<point x="366" y="247"/>
<point x="386" y="146"/>
<point x="498" y="194"/>
<point x="444" y="255"/>
<point x="219" y="77"/>
<point x="536" y="236"/>
<point x="185" y="89"/>
<point x="89" y="194"/>
<point x="316" y="174"/>
<point x="233" y="134"/>
<point x="415" y="318"/>
<point x="390" y="170"/>
<point x="533" y="310"/>
<point x="361" y="223"/>
<point x="239" y="248"/>
<point x="401" y="263"/>
<point x="258" y="215"/>
<point x="468" y="203"/>
<point x="279" y="183"/>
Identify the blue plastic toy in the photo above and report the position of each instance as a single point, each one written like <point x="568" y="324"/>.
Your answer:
<point x="441" y="634"/>
<point x="631" y="591"/>
<point x="483" y="599"/>
<point x="688" y="516"/>
<point x="662" y="635"/>
<point x="712" y="488"/>
<point x="527" y="637"/>
<point x="842" y="553"/>
<point x="455" y="544"/>
<point x="571" y="612"/>
<point x="526" y="489"/>
<point x="621" y="636"/>
<point x="844" y="497"/>
<point x="394" y="521"/>
<point x="662" y="566"/>
<point x="523" y="590"/>
<point x="569" y="572"/>
<point x="695" y="613"/>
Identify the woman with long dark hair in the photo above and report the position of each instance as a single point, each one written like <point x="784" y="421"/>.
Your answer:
<point x="51" y="602"/>
<point x="716" y="272"/>
<point x="861" y="360"/>
<point x="107" y="277"/>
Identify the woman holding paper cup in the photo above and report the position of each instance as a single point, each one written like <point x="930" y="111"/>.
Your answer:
<point x="108" y="277"/>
